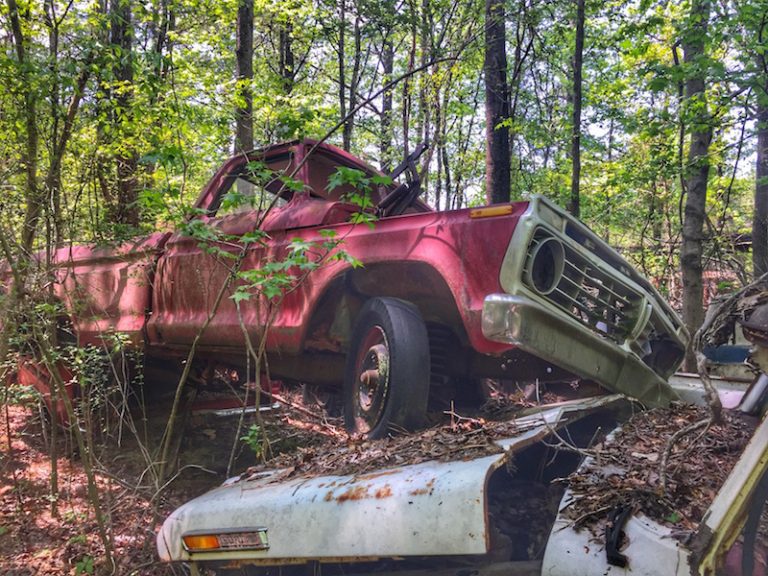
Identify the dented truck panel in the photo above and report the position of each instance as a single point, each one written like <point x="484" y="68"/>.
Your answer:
<point x="520" y="280"/>
<point x="444" y="243"/>
<point x="421" y="509"/>
<point x="568" y="297"/>
<point x="436" y="512"/>
<point x="108" y="289"/>
<point x="652" y="548"/>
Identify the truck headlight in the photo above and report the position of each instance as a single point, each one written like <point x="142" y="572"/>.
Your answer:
<point x="546" y="260"/>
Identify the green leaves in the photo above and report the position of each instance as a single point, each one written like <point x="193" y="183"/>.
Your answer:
<point x="357" y="186"/>
<point x="351" y="176"/>
<point x="276" y="277"/>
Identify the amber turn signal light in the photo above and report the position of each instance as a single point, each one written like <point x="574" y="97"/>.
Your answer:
<point x="201" y="542"/>
<point x="488" y="211"/>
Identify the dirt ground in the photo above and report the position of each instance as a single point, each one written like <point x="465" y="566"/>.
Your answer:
<point x="40" y="535"/>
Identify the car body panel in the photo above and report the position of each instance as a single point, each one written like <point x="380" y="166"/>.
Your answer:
<point x="436" y="510"/>
<point x="651" y="547"/>
<point x="108" y="289"/>
<point x="428" y="509"/>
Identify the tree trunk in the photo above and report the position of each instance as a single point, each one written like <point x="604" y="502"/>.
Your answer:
<point x="696" y="171"/>
<point x="53" y="187"/>
<point x="29" y="155"/>
<point x="387" y="68"/>
<point x="121" y="37"/>
<point x="354" y="82"/>
<point x="497" y="162"/>
<point x="244" y="73"/>
<point x="760" y="221"/>
<point x="407" y="93"/>
<point x="287" y="58"/>
<point x="342" y="69"/>
<point x="574" y="206"/>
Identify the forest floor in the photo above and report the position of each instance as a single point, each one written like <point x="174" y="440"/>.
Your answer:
<point x="60" y="537"/>
<point x="38" y="537"/>
<point x="42" y="535"/>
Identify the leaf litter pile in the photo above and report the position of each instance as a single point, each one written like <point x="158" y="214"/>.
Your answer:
<point x="627" y="472"/>
<point x="307" y="442"/>
<point x="338" y="454"/>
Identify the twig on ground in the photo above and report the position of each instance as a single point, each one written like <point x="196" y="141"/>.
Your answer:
<point x="323" y="422"/>
<point x="672" y="442"/>
<point x="176" y="475"/>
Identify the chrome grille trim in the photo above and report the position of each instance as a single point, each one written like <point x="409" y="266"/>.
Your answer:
<point x="602" y="301"/>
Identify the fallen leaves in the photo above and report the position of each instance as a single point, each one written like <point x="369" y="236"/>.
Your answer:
<point x="626" y="471"/>
<point x="468" y="438"/>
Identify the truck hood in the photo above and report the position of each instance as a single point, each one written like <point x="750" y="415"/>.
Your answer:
<point x="432" y="508"/>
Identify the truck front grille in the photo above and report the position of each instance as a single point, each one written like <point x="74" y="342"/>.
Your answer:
<point x="587" y="289"/>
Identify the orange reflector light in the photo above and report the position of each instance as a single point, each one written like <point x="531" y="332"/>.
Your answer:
<point x="248" y="539"/>
<point x="488" y="211"/>
<point x="200" y="542"/>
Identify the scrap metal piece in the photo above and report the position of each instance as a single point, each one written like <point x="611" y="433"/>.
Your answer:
<point x="428" y="509"/>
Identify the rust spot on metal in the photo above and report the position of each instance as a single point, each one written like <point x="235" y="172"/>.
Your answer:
<point x="384" y="492"/>
<point x="328" y="496"/>
<point x="354" y="493"/>
<point x="428" y="489"/>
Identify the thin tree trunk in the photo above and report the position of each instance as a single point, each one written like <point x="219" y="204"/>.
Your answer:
<point x="29" y="155"/>
<point x="696" y="172"/>
<point x="760" y="221"/>
<point x="354" y="81"/>
<point x="287" y="58"/>
<point x="439" y="145"/>
<point x="497" y="162"/>
<point x="54" y="185"/>
<point x="387" y="66"/>
<point x="425" y="117"/>
<point x="59" y="147"/>
<point x="574" y="206"/>
<point x="407" y="96"/>
<point x="342" y="69"/>
<point x="608" y="200"/>
<point x="127" y="211"/>
<point x="244" y="73"/>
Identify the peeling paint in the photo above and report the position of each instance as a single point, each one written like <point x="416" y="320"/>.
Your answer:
<point x="354" y="493"/>
<point x="384" y="492"/>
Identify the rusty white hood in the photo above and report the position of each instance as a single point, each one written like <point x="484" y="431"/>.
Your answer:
<point x="432" y="508"/>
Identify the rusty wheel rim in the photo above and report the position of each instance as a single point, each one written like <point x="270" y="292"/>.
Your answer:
<point x="371" y="379"/>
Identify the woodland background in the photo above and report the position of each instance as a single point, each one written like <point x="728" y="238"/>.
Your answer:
<point x="648" y="119"/>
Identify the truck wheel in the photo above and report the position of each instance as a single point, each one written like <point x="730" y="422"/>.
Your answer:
<point x="386" y="382"/>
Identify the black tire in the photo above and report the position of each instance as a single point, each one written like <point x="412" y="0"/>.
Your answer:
<point x="386" y="381"/>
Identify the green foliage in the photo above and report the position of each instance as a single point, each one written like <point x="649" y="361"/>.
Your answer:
<point x="275" y="278"/>
<point x="85" y="566"/>
<point x="172" y="113"/>
<point x="254" y="439"/>
<point x="16" y="394"/>
<point x="358" y="187"/>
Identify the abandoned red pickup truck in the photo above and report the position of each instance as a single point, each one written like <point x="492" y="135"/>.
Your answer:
<point x="514" y="291"/>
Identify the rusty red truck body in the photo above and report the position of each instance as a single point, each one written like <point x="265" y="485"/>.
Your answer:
<point x="513" y="291"/>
